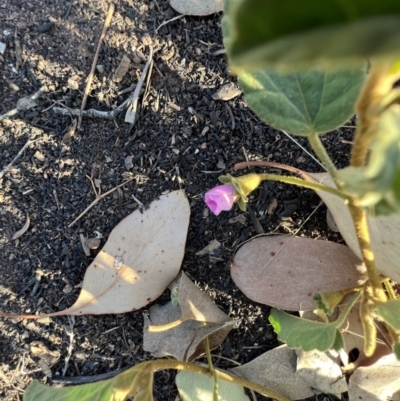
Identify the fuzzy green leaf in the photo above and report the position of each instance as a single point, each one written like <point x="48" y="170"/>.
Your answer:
<point x="389" y="312"/>
<point x="305" y="334"/>
<point x="287" y="33"/>
<point x="303" y="102"/>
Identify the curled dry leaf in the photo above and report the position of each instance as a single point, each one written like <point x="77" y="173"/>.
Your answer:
<point x="23" y="230"/>
<point x="284" y="271"/>
<point x="276" y="369"/>
<point x="384" y="231"/>
<point x="197" y="7"/>
<point x="141" y="258"/>
<point x="182" y="331"/>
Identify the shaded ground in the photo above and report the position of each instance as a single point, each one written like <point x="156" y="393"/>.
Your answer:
<point x="183" y="138"/>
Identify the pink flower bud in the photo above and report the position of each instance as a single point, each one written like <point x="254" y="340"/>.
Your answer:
<point x="220" y="198"/>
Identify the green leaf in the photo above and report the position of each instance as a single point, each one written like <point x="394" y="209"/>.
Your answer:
<point x="304" y="334"/>
<point x="197" y="387"/>
<point x="396" y="350"/>
<point x="389" y="312"/>
<point x="303" y="102"/>
<point x="308" y="334"/>
<point x="118" y="388"/>
<point x="377" y="185"/>
<point x="287" y="33"/>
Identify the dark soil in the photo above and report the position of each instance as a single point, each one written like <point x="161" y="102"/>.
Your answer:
<point x="182" y="138"/>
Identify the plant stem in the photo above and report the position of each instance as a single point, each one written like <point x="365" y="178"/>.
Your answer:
<point x="211" y="367"/>
<point x="360" y="221"/>
<point x="389" y="289"/>
<point x="319" y="149"/>
<point x="301" y="183"/>
<point x="340" y="320"/>
<point x="161" y="364"/>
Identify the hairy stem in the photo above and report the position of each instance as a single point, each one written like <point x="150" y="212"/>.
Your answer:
<point x="389" y="289"/>
<point x="161" y="364"/>
<point x="320" y="151"/>
<point x="211" y="368"/>
<point x="301" y="183"/>
<point x="379" y="83"/>
<point x="360" y="221"/>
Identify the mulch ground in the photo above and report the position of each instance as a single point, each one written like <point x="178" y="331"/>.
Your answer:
<point x="183" y="138"/>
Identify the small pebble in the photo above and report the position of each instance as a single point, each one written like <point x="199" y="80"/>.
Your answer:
<point x="45" y="27"/>
<point x="2" y="47"/>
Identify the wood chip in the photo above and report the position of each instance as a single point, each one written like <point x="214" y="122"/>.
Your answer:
<point x="23" y="230"/>
<point x="122" y="69"/>
<point x="227" y="92"/>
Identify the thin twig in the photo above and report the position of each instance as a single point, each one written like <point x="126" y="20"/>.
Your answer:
<point x="109" y="115"/>
<point x="70" y="333"/>
<point x="168" y="21"/>
<point x="96" y="56"/>
<point x="21" y="105"/>
<point x="8" y="167"/>
<point x="98" y="199"/>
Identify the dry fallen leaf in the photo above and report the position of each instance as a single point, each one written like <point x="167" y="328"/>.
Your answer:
<point x="276" y="369"/>
<point x="185" y="340"/>
<point x="209" y="249"/>
<point x="227" y="92"/>
<point x="39" y="349"/>
<point x="23" y="230"/>
<point x="384" y="231"/>
<point x="284" y="271"/>
<point x="379" y="382"/>
<point x="197" y="7"/>
<point x="141" y="258"/>
<point x="321" y="371"/>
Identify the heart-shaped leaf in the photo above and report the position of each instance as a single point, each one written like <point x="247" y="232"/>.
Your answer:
<point x="287" y="33"/>
<point x="303" y="102"/>
<point x="141" y="258"/>
<point x="384" y="231"/>
<point x="197" y="387"/>
<point x="284" y="271"/>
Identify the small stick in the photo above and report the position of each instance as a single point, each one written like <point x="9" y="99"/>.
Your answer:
<point x="22" y="105"/>
<point x="70" y="333"/>
<point x="96" y="56"/>
<point x="98" y="198"/>
<point x="7" y="168"/>
<point x="109" y="115"/>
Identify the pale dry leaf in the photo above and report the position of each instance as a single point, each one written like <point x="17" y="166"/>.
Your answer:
<point x="275" y="370"/>
<point x="284" y="271"/>
<point x="197" y="7"/>
<point x="141" y="258"/>
<point x="39" y="349"/>
<point x="24" y="228"/>
<point x="185" y="341"/>
<point x="378" y="382"/>
<point x="227" y="92"/>
<point x="84" y="246"/>
<point x="321" y="371"/>
<point x="209" y="249"/>
<point x="122" y="69"/>
<point x="384" y="231"/>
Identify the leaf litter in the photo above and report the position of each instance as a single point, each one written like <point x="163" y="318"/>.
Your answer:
<point x="179" y="331"/>
<point x="141" y="258"/>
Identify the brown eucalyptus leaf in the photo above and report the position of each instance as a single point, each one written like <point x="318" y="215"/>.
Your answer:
<point x="23" y="230"/>
<point x="384" y="231"/>
<point x="275" y="370"/>
<point x="321" y="371"/>
<point x="185" y="341"/>
<point x="284" y="271"/>
<point x="141" y="258"/>
<point x="378" y="382"/>
<point x="197" y="7"/>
